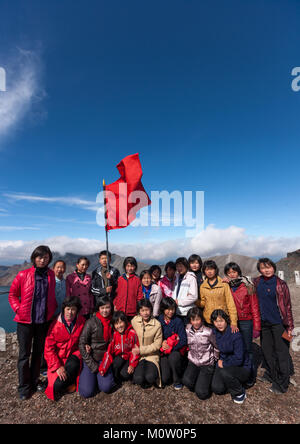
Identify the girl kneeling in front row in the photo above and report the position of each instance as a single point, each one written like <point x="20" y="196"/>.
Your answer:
<point x="122" y="351"/>
<point x="149" y="333"/>
<point x="174" y="344"/>
<point x="234" y="365"/>
<point x="93" y="344"/>
<point x="203" y="354"/>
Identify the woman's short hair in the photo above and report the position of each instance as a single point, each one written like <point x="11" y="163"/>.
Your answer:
<point x="144" y="303"/>
<point x="216" y="313"/>
<point x="194" y="258"/>
<point x="74" y="301"/>
<point x="143" y="273"/>
<point x="171" y="265"/>
<point x="59" y="260"/>
<point x="119" y="316"/>
<point x="183" y="261"/>
<point x="210" y="264"/>
<point x="233" y="266"/>
<point x="195" y="312"/>
<point x="265" y="261"/>
<point x="167" y="303"/>
<point x="83" y="258"/>
<point x="103" y="300"/>
<point x="129" y="260"/>
<point x="41" y="250"/>
<point x="153" y="268"/>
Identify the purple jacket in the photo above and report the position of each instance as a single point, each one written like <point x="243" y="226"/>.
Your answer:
<point x="202" y="345"/>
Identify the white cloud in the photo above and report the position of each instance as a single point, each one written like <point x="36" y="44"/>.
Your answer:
<point x="212" y="241"/>
<point x="23" y="88"/>
<point x="71" y="201"/>
<point x="15" y="228"/>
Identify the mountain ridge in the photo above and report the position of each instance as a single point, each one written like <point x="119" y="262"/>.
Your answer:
<point x="247" y="264"/>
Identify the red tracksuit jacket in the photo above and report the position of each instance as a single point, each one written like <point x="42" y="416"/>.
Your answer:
<point x="121" y="345"/>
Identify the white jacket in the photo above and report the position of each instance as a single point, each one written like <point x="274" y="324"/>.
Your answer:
<point x="188" y="293"/>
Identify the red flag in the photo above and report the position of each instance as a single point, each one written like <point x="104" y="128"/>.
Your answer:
<point x="126" y="196"/>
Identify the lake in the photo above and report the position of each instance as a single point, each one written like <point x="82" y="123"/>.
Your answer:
<point x="6" y="313"/>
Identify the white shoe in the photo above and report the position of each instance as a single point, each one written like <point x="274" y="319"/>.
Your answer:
<point x="240" y="399"/>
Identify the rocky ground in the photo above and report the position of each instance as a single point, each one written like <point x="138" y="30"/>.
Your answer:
<point x="133" y="405"/>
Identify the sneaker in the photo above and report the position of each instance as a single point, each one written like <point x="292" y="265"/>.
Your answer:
<point x="24" y="397"/>
<point x="293" y="382"/>
<point x="240" y="399"/>
<point x="177" y="386"/>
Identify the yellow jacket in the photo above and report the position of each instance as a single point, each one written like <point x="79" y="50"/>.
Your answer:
<point x="218" y="297"/>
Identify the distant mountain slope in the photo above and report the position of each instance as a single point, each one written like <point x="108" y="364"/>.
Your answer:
<point x="247" y="264"/>
<point x="7" y="274"/>
<point x="289" y="264"/>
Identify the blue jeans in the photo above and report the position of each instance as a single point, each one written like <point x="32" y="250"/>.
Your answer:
<point x="91" y="383"/>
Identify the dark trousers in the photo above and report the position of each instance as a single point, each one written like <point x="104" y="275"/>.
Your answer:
<point x="171" y="367"/>
<point x="276" y="355"/>
<point x="145" y="374"/>
<point x="91" y="383"/>
<point x="246" y="330"/>
<point x="72" y="367"/>
<point x="30" y="336"/>
<point x="199" y="379"/>
<point x="230" y="379"/>
<point x="120" y="369"/>
<point x="44" y="366"/>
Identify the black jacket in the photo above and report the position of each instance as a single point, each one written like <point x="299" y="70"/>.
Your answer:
<point x="92" y="335"/>
<point x="98" y="288"/>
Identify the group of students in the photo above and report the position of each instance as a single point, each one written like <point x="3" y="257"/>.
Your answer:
<point x="189" y="327"/>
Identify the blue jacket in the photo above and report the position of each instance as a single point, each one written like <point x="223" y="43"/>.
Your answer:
<point x="232" y="350"/>
<point x="175" y="326"/>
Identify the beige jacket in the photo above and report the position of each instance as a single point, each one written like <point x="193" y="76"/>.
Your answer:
<point x="218" y="297"/>
<point x="150" y="339"/>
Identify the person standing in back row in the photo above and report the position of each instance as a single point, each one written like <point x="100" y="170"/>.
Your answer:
<point x="215" y="294"/>
<point x="32" y="298"/>
<point x="129" y="289"/>
<point x="104" y="278"/>
<point x="276" y="319"/>
<point x="78" y="284"/>
<point x="185" y="292"/>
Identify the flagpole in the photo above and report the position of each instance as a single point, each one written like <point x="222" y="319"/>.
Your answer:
<point x="106" y="231"/>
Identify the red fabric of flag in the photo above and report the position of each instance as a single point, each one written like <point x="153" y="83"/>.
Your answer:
<point x="126" y="196"/>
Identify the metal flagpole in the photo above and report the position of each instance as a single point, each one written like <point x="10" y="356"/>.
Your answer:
<point x="106" y="231"/>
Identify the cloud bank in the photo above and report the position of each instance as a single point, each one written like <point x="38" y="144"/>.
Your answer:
<point x="210" y="242"/>
<point x="23" y="88"/>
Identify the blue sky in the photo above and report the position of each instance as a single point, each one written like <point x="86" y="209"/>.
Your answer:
<point x="200" y="89"/>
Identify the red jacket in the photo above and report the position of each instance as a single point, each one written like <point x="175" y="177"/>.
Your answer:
<point x="171" y="341"/>
<point x="129" y="291"/>
<point x="247" y="306"/>
<point x="121" y="345"/>
<point x="283" y="301"/>
<point x="59" y="345"/>
<point x="21" y="295"/>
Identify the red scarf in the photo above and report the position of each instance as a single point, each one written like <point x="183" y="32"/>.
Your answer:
<point x="107" y="329"/>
